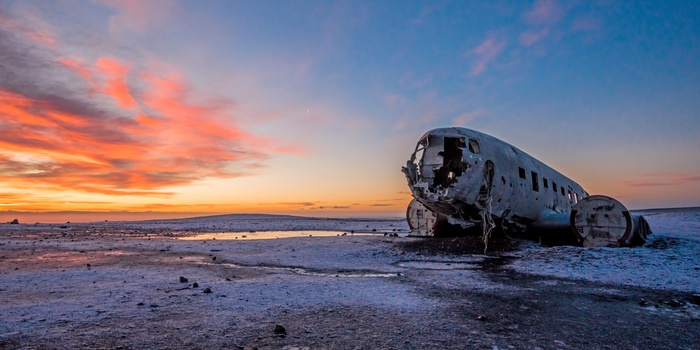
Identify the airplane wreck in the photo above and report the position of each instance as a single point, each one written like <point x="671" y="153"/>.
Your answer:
<point x="463" y="180"/>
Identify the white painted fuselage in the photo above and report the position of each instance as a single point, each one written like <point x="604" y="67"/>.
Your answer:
<point x="461" y="174"/>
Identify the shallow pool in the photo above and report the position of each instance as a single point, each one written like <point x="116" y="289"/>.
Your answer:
<point x="271" y="235"/>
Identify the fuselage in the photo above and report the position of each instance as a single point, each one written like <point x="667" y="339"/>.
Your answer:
<point x="460" y="173"/>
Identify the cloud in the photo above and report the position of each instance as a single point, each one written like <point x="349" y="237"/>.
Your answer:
<point x="655" y="180"/>
<point x="425" y="13"/>
<point x="113" y="126"/>
<point x="529" y="38"/>
<point x="466" y="118"/>
<point x="586" y="24"/>
<point x="485" y="53"/>
<point x="139" y="16"/>
<point x="544" y="12"/>
<point x="322" y="207"/>
<point x="35" y="29"/>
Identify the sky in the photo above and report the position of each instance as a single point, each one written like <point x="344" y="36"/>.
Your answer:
<point x="147" y="109"/>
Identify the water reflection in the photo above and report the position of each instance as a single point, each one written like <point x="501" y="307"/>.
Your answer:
<point x="271" y="235"/>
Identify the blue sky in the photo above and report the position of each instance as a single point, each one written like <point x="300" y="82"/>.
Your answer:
<point x="312" y="107"/>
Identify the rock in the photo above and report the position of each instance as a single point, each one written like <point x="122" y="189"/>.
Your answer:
<point x="481" y="318"/>
<point x="183" y="279"/>
<point x="195" y="285"/>
<point x="140" y="304"/>
<point x="207" y="290"/>
<point x="279" y="329"/>
<point x="14" y="222"/>
<point x="642" y="302"/>
<point x="695" y="299"/>
<point x="214" y="258"/>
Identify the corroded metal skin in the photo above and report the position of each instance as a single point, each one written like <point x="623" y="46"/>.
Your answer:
<point x="463" y="174"/>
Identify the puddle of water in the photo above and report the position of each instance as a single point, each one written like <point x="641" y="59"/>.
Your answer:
<point x="269" y="235"/>
<point x="306" y="272"/>
<point x="440" y="265"/>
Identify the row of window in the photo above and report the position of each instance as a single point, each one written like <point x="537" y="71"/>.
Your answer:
<point x="545" y="183"/>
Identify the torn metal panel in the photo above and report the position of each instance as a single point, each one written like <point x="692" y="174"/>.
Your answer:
<point x="462" y="174"/>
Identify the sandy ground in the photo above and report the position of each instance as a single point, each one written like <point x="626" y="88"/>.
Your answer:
<point x="118" y="286"/>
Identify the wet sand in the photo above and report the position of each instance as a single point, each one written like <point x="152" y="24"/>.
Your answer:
<point x="118" y="286"/>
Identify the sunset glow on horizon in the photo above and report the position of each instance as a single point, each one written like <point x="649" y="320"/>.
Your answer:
<point x="157" y="109"/>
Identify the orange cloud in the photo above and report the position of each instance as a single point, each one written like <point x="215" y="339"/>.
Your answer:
<point x="73" y="142"/>
<point x="115" y="84"/>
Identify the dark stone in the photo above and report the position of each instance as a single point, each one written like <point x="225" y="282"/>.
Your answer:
<point x="279" y="329"/>
<point x="481" y="318"/>
<point x="14" y="222"/>
<point x="183" y="279"/>
<point x="207" y="290"/>
<point x="642" y="302"/>
<point x="214" y="258"/>
<point x="195" y="285"/>
<point x="140" y="304"/>
<point x="695" y="299"/>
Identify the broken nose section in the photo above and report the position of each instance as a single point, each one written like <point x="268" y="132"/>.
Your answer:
<point x="436" y="174"/>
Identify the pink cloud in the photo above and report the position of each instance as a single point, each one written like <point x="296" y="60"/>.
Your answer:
<point x="138" y="15"/>
<point x="485" y="53"/>
<point x="544" y="12"/>
<point x="34" y="28"/>
<point x="465" y="118"/>
<point x="529" y="38"/>
<point x="585" y="24"/>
